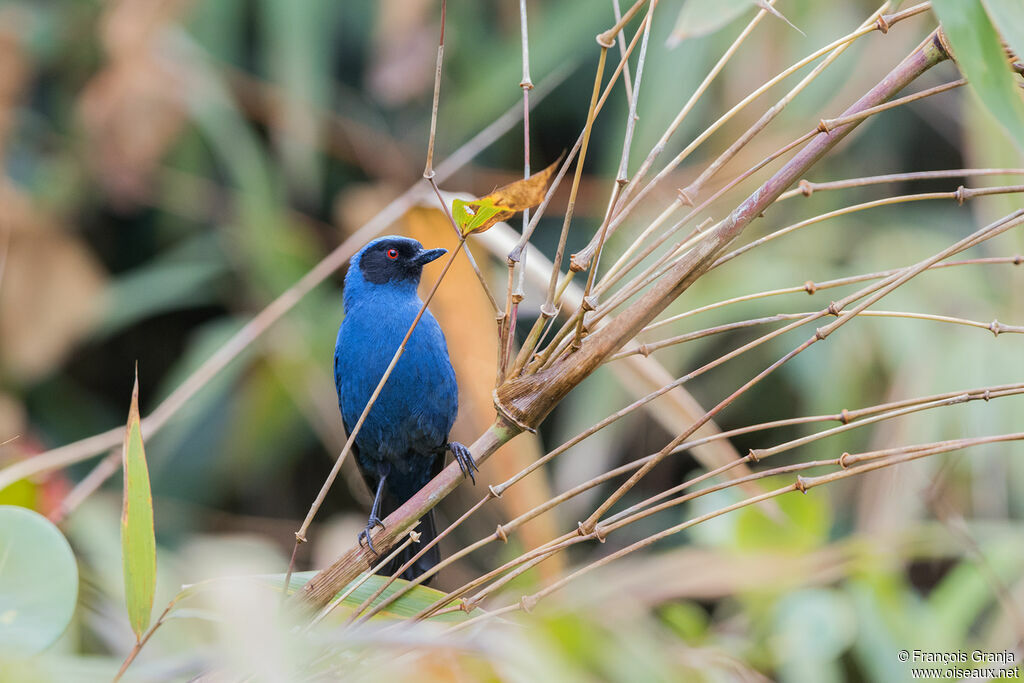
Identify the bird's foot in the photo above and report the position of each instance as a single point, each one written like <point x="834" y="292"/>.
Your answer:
<point x="364" y="535"/>
<point x="465" y="459"/>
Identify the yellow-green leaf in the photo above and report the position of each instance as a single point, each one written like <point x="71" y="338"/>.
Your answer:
<point x="480" y="214"/>
<point x="138" y="543"/>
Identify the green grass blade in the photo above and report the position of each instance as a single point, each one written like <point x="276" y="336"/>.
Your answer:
<point x="138" y="543"/>
<point x="983" y="61"/>
<point x="1008" y="18"/>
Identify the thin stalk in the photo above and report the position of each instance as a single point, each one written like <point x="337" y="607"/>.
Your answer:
<point x="802" y="484"/>
<point x="820" y="334"/>
<point x="549" y="303"/>
<point x="142" y="641"/>
<point x="961" y="194"/>
<point x="511" y="303"/>
<point x="637" y="197"/>
<point x="806" y="188"/>
<point x="621" y="40"/>
<point x="847" y="417"/>
<point x="646" y="348"/>
<point x="810" y="287"/>
<point x="428" y="169"/>
<point x="524" y="239"/>
<point x="621" y="178"/>
<point x="888" y="411"/>
<point x="691" y="191"/>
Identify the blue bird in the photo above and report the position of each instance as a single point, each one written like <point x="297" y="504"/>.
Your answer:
<point x="402" y="443"/>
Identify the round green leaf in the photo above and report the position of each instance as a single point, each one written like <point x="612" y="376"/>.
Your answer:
<point x="38" y="581"/>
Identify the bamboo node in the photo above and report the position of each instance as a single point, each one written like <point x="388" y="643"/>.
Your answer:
<point x="882" y="24"/>
<point x="579" y="261"/>
<point x="834" y="308"/>
<point x="1018" y="259"/>
<point x="753" y="456"/>
<point x="582" y="530"/>
<point x="806" y="187"/>
<point x="507" y="415"/>
<point x="684" y="197"/>
<point x="810" y="287"/>
<point x="995" y="327"/>
<point x="961" y="195"/>
<point x="801" y="484"/>
<point x="823" y="126"/>
<point x="500" y="533"/>
<point x="844" y="416"/>
<point x="494" y="492"/>
<point x="527" y="602"/>
<point x="842" y="461"/>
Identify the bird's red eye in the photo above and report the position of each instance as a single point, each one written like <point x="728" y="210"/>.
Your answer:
<point x="392" y="254"/>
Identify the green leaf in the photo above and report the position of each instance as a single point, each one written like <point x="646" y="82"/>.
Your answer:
<point x="38" y="582"/>
<point x="413" y="602"/>
<point x="478" y="215"/>
<point x="701" y="17"/>
<point x="138" y="543"/>
<point x="1008" y="18"/>
<point x="983" y="61"/>
<point x="805" y="525"/>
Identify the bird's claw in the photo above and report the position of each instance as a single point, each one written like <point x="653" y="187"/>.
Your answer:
<point x="364" y="535"/>
<point x="465" y="459"/>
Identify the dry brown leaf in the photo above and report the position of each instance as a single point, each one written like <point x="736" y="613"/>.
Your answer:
<point x="50" y="292"/>
<point x="133" y="109"/>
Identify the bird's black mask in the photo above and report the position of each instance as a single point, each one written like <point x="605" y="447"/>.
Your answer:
<point x="397" y="260"/>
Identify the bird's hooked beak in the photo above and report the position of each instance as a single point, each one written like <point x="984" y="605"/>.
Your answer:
<point x="427" y="255"/>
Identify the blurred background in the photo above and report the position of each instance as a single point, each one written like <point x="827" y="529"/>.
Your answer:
<point x="170" y="167"/>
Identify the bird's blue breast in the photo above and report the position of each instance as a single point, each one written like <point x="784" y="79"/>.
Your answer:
<point x="408" y="425"/>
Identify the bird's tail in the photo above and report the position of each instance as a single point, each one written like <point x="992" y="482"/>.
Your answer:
<point x="428" y="532"/>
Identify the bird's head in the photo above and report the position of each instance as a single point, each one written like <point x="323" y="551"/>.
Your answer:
<point x="390" y="262"/>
